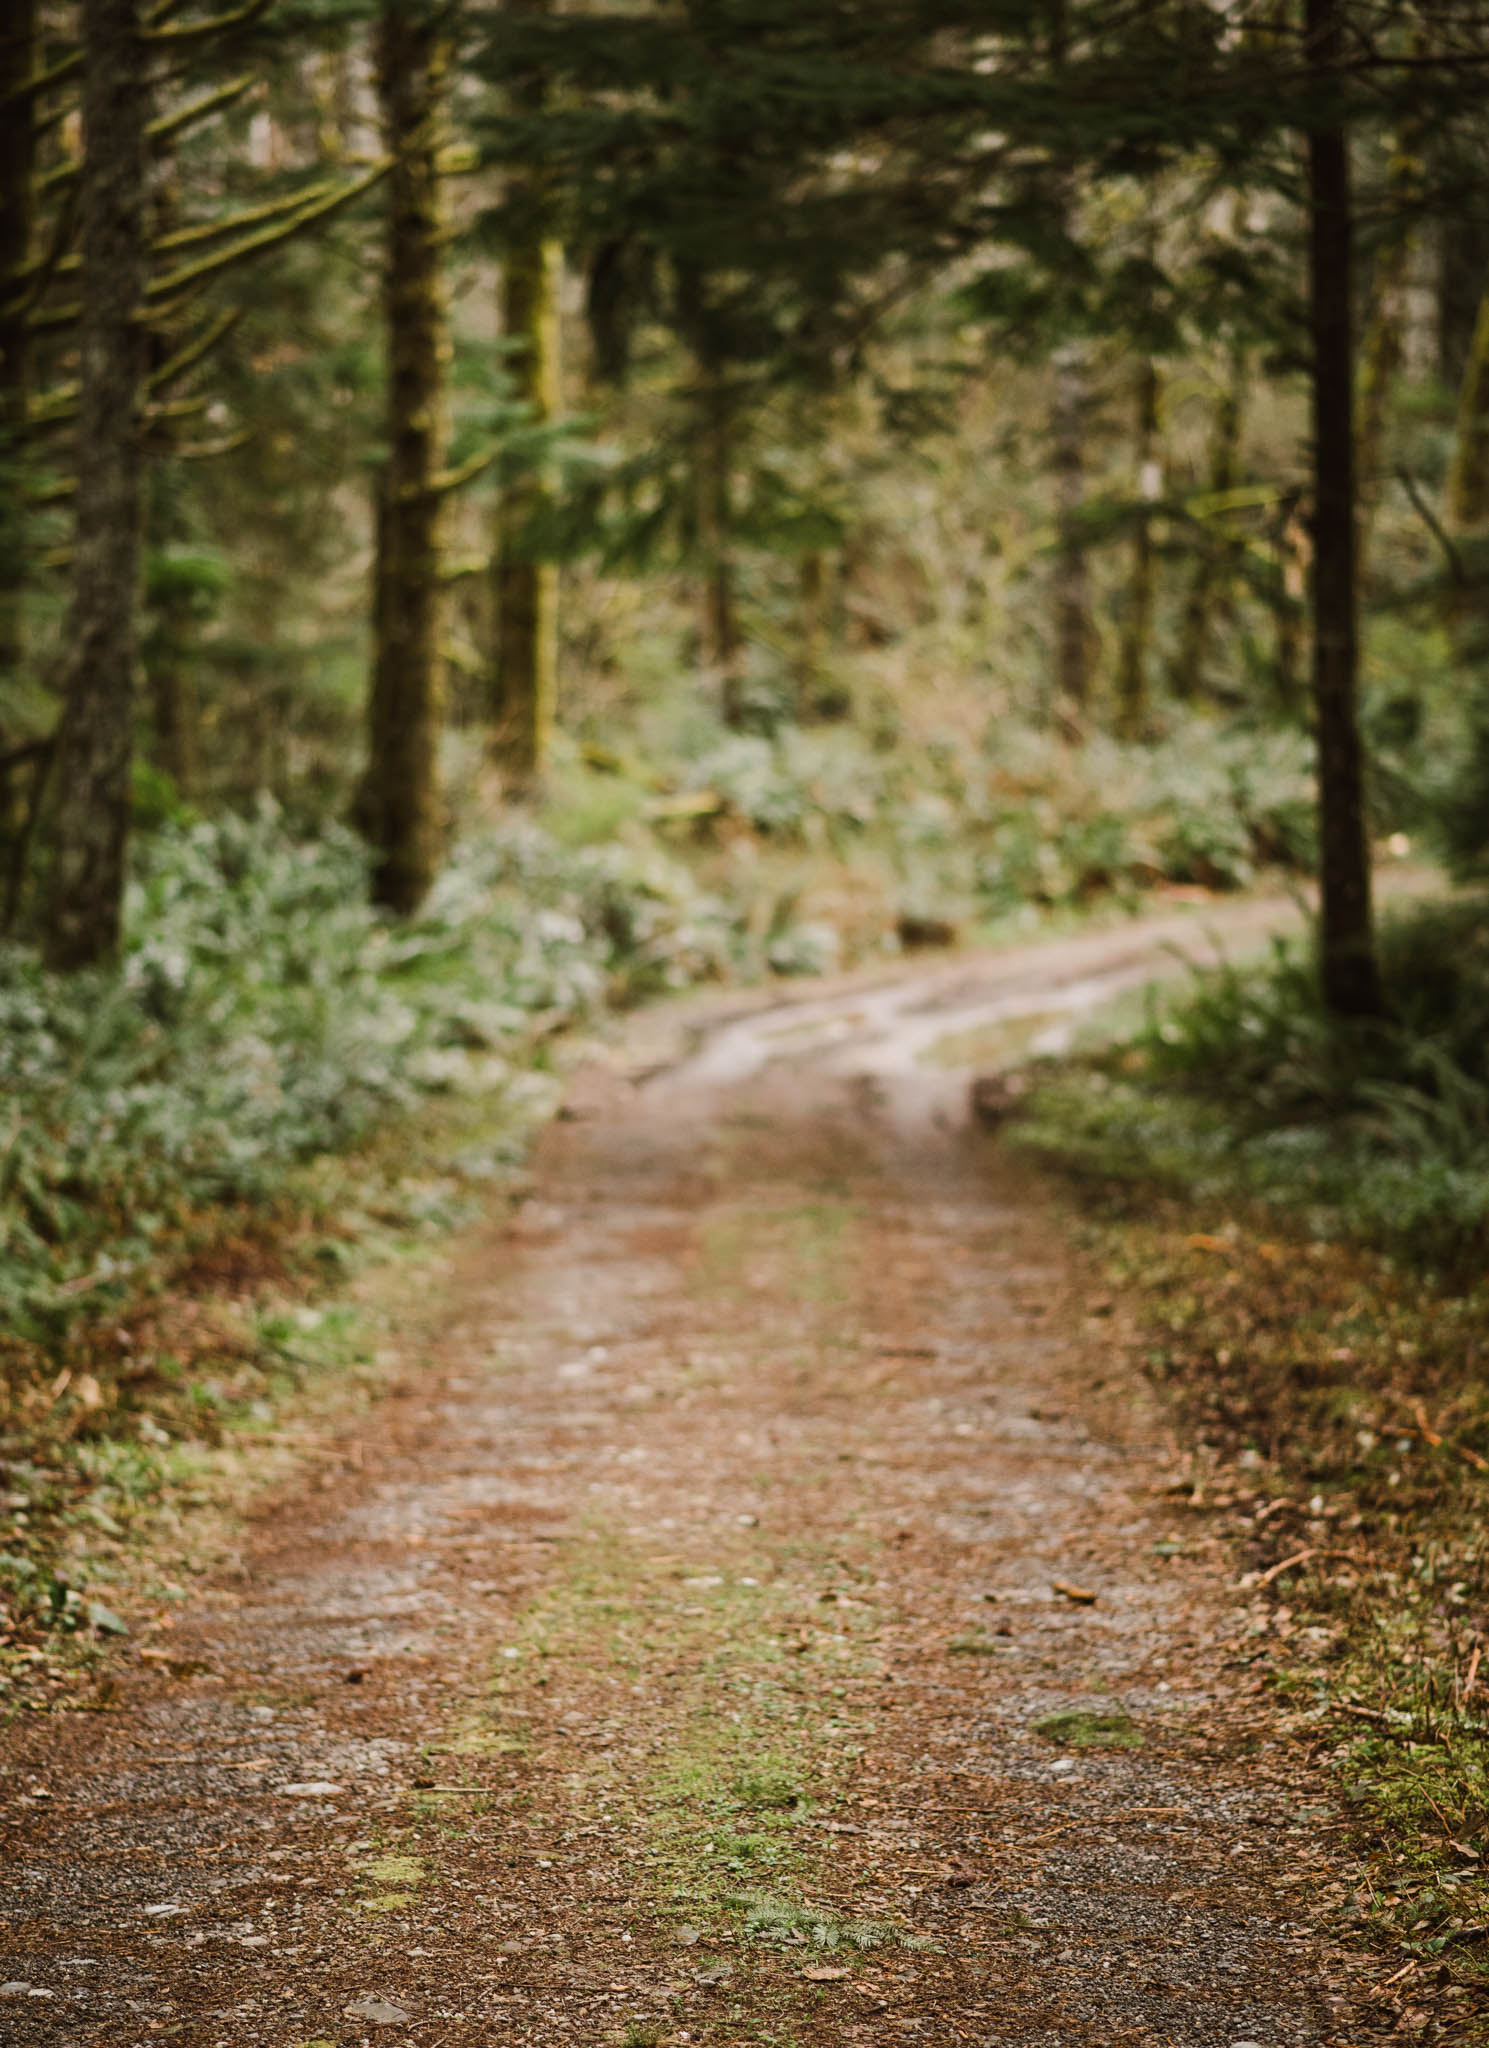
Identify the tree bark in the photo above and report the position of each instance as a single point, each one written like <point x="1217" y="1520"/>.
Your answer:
<point x="1468" y="477"/>
<point x="1290" y="604"/>
<point x="811" y="592"/>
<point x="17" y="217"/>
<point x="94" y="751"/>
<point x="1137" y="627"/>
<point x="1348" y="970"/>
<point x="1074" y="631"/>
<point x="526" y="607"/>
<point x="1211" y="572"/>
<point x="719" y="634"/>
<point x="1383" y="346"/>
<point x="400" y="808"/>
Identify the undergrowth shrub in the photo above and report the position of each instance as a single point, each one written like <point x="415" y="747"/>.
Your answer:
<point x="264" y="1014"/>
<point x="1240" y="1087"/>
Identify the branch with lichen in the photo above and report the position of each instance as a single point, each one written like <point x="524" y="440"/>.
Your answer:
<point x="177" y="36"/>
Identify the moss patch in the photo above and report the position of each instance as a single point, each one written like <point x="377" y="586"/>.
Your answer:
<point x="1078" y="1729"/>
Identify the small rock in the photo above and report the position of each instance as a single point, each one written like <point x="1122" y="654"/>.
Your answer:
<point x="720" y="1974"/>
<point x="313" y="1788"/>
<point x="688" y="1936"/>
<point x="17" y="1990"/>
<point x="162" y="1912"/>
<point x="377" y="2012"/>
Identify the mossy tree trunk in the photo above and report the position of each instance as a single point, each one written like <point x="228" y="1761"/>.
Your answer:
<point x="527" y="588"/>
<point x="1468" y="476"/>
<point x="811" y="593"/>
<point x="1074" y="630"/>
<point x="17" y="209"/>
<point x="91" y="770"/>
<point x="1137" y="626"/>
<point x="1382" y="346"/>
<point x="1209" y="577"/>
<point x="719" y="636"/>
<point x="17" y="215"/>
<point x="1290" y="602"/>
<point x="1347" y="961"/>
<point x="400" y="809"/>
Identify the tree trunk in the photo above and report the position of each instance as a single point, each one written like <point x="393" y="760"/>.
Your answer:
<point x="1074" y="631"/>
<point x="1210" y="575"/>
<point x="526" y="595"/>
<point x="1350" y="980"/>
<point x="17" y="211"/>
<point x="811" y="591"/>
<point x="1290" y="603"/>
<point x="718" y="623"/>
<point x="1462" y="261"/>
<point x="1137" y="627"/>
<point x="94" y="750"/>
<point x="1382" y="348"/>
<point x="1468" y="477"/>
<point x="400" y="805"/>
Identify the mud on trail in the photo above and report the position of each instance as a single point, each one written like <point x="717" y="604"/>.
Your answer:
<point x="689" y="1660"/>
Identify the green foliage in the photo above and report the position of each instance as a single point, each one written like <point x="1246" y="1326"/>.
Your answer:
<point x="768" y="1918"/>
<point x="264" y="1015"/>
<point x="1241" y="1088"/>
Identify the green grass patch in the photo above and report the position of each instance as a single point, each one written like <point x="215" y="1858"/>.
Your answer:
<point x="1079" y="1728"/>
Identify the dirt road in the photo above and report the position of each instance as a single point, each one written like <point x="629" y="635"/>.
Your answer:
<point x="760" y="1618"/>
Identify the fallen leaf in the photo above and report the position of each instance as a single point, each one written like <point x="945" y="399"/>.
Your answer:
<point x="1079" y="1594"/>
<point x="1201" y="1241"/>
<point x="823" y="1973"/>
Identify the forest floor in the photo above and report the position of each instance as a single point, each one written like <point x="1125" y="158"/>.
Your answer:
<point x="758" y="1614"/>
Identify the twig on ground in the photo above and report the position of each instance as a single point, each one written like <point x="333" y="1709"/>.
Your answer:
<point x="1301" y="1557"/>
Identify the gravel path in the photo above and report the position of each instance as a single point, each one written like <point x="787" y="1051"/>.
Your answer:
<point x="759" y="1618"/>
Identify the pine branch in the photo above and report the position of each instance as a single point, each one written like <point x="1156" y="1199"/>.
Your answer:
<point x="32" y="750"/>
<point x="49" y="264"/>
<point x="449" y="480"/>
<point x="1434" y="526"/>
<point x="60" y="175"/>
<point x="207" y="451"/>
<point x="170" y="125"/>
<point x="53" y="407"/>
<point x="191" y="276"/>
<point x="161" y="131"/>
<point x="176" y="409"/>
<point x="185" y="33"/>
<point x="167" y="296"/>
<point x="192" y="352"/>
<point x="234" y="223"/>
<point x="43" y="81"/>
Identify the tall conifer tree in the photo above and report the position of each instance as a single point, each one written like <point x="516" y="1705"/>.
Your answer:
<point x="400" y="805"/>
<point x="95" y="744"/>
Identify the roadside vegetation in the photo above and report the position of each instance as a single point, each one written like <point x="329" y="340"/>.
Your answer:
<point x="1298" y="1214"/>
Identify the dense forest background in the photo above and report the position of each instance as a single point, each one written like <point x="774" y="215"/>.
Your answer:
<point x="513" y="507"/>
